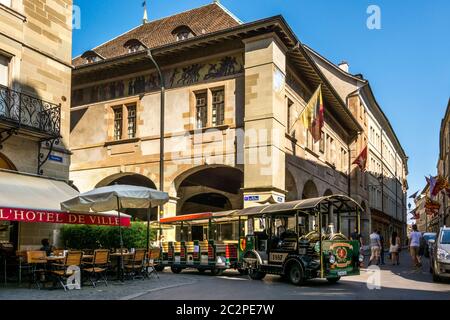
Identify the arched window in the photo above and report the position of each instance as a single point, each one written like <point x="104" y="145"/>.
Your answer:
<point x="183" y="33"/>
<point x="91" y="56"/>
<point x="134" y="45"/>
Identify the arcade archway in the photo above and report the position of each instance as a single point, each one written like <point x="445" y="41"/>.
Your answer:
<point x="210" y="189"/>
<point x="310" y="190"/>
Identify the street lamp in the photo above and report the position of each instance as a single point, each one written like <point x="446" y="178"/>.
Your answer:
<point x="162" y="129"/>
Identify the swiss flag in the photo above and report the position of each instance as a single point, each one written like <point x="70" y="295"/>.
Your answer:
<point x="361" y="161"/>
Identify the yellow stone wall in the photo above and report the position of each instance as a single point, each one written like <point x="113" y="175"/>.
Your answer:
<point x="37" y="37"/>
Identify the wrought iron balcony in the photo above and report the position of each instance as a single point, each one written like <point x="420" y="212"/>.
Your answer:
<point x="24" y="113"/>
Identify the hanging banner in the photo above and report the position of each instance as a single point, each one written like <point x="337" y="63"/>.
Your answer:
<point x="59" y="217"/>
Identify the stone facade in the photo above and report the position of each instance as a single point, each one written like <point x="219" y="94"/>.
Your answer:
<point x="443" y="169"/>
<point x="382" y="188"/>
<point x="35" y="45"/>
<point x="257" y="153"/>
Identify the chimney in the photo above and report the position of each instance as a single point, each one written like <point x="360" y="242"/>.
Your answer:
<point x="344" y="66"/>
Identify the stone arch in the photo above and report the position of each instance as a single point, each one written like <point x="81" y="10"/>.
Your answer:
<point x="210" y="187"/>
<point x="310" y="190"/>
<point x="128" y="178"/>
<point x="328" y="192"/>
<point x="291" y="187"/>
<point x="7" y="164"/>
<point x="206" y="202"/>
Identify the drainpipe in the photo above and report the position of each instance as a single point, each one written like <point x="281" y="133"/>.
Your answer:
<point x="162" y="129"/>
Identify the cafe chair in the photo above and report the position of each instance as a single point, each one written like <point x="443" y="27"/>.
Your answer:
<point x="63" y="271"/>
<point x="150" y="265"/>
<point x="98" y="267"/>
<point x="37" y="260"/>
<point x="135" y="265"/>
<point x="22" y="265"/>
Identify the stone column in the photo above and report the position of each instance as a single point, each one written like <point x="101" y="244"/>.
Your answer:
<point x="170" y="210"/>
<point x="265" y="119"/>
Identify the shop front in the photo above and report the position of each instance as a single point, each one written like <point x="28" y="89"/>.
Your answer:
<point x="30" y="210"/>
<point x="387" y="225"/>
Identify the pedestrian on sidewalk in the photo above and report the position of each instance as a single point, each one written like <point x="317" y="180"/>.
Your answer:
<point x="375" y="246"/>
<point x="414" y="245"/>
<point x="356" y="236"/>
<point x="381" y="247"/>
<point x="395" y="248"/>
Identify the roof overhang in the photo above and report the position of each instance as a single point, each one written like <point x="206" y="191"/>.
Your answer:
<point x="277" y="24"/>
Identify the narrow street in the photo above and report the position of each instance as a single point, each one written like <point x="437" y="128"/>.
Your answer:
<point x="397" y="282"/>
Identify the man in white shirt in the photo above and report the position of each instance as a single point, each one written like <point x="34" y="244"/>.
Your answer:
<point x="414" y="245"/>
<point x="375" y="247"/>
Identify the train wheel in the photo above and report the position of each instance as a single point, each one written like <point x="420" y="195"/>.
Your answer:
<point x="256" y="275"/>
<point x="295" y="273"/>
<point x="176" y="270"/>
<point x="200" y="270"/>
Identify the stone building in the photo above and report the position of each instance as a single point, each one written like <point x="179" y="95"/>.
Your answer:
<point x="234" y="92"/>
<point x="35" y="79"/>
<point x="423" y="221"/>
<point x="443" y="169"/>
<point x="382" y="189"/>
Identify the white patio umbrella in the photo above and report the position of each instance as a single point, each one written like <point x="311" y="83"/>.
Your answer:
<point x="117" y="197"/>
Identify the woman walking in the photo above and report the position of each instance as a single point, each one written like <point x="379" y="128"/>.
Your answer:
<point x="395" y="248"/>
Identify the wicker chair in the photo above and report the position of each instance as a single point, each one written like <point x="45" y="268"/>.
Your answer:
<point x="64" y="271"/>
<point x="150" y="266"/>
<point x="96" y="270"/>
<point x="37" y="262"/>
<point x="135" y="266"/>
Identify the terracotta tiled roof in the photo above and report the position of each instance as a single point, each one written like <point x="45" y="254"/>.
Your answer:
<point x="202" y="20"/>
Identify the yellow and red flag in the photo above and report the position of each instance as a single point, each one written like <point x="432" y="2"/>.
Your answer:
<point x="313" y="116"/>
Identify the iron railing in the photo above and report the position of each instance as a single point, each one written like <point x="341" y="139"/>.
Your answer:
<point x="25" y="111"/>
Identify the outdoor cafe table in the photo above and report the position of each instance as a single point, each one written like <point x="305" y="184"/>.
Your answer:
<point x="118" y="255"/>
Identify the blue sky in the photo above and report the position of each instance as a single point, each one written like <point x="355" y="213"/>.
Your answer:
<point x="407" y="61"/>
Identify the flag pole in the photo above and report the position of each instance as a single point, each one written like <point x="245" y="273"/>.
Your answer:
<point x="305" y="108"/>
<point x="145" y="18"/>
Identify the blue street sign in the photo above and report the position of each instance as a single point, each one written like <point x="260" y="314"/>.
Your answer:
<point x="251" y="198"/>
<point x="55" y="158"/>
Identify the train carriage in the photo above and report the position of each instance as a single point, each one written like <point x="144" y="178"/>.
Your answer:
<point x="207" y="249"/>
<point x="298" y="240"/>
<point x="302" y="240"/>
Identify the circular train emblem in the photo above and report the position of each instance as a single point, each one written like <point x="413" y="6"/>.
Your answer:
<point x="341" y="253"/>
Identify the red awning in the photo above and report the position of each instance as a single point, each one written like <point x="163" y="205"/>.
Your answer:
<point x="30" y="198"/>
<point x="187" y="217"/>
<point x="44" y="216"/>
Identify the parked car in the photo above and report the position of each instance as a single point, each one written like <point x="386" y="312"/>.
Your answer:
<point x="440" y="255"/>
<point x="427" y="237"/>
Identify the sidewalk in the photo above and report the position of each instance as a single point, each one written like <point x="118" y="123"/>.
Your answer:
<point x="114" y="290"/>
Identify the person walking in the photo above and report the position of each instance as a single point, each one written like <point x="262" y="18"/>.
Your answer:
<point x="414" y="245"/>
<point x="356" y="236"/>
<point x="375" y="246"/>
<point x="381" y="247"/>
<point x="394" y="248"/>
